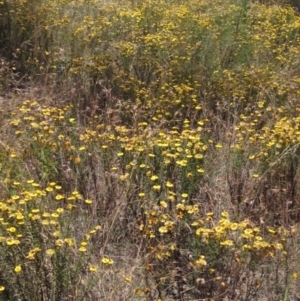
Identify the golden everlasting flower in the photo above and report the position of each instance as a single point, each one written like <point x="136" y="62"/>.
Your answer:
<point x="201" y="262"/>
<point x="18" y="269"/>
<point x="106" y="260"/>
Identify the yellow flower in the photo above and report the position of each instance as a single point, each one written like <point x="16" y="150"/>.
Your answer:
<point x="11" y="241"/>
<point x="169" y="224"/>
<point x="59" y="197"/>
<point x="56" y="234"/>
<point x="93" y="268"/>
<point x="163" y="204"/>
<point x="156" y="187"/>
<point x="248" y="233"/>
<point x="277" y="246"/>
<point x="227" y="242"/>
<point x="169" y="184"/>
<point x="32" y="253"/>
<point x="198" y="156"/>
<point x="201" y="262"/>
<point x="69" y="241"/>
<point x="189" y="175"/>
<point x="70" y="206"/>
<point x="233" y="226"/>
<point x="225" y="214"/>
<point x="200" y="170"/>
<point x="138" y="291"/>
<point x="11" y="229"/>
<point x="2" y="288"/>
<point x="59" y="242"/>
<point x="18" y="269"/>
<point x="106" y="260"/>
<point x="163" y="229"/>
<point x="180" y="206"/>
<point x="50" y="252"/>
<point x="192" y="209"/>
<point x="124" y="177"/>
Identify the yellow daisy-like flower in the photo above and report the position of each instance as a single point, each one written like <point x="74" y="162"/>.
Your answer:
<point x="156" y="187"/>
<point x="59" y="242"/>
<point x="50" y="252"/>
<point x="11" y="241"/>
<point x="227" y="242"/>
<point x="180" y="206"/>
<point x="200" y="170"/>
<point x="18" y="269"/>
<point x="69" y="241"/>
<point x="32" y="253"/>
<point x="82" y="249"/>
<point x="225" y="214"/>
<point x="59" y="197"/>
<point x="169" y="184"/>
<point x="154" y="177"/>
<point x="11" y="229"/>
<point x="106" y="260"/>
<point x="201" y="262"/>
<point x="93" y="268"/>
<point x="163" y="229"/>
<point x="163" y="204"/>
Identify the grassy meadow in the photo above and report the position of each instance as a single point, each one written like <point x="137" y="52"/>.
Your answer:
<point x="149" y="150"/>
